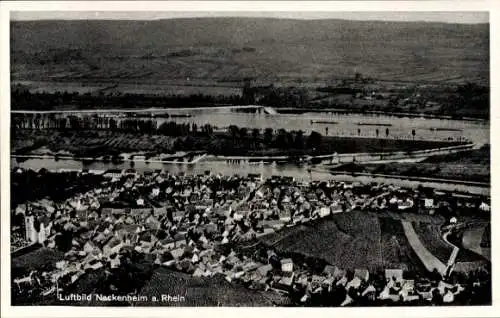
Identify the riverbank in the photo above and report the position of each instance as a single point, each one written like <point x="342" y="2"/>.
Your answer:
<point x="379" y="113"/>
<point x="467" y="166"/>
<point x="303" y="173"/>
<point x="96" y="143"/>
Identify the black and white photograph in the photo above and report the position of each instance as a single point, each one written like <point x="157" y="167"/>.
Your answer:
<point x="249" y="159"/>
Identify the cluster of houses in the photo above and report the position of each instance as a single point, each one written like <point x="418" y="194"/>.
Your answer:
<point x="194" y="224"/>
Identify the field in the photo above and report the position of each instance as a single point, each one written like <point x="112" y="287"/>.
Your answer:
<point x="215" y="291"/>
<point x="474" y="239"/>
<point x="99" y="143"/>
<point x="430" y="236"/>
<point x="150" y="89"/>
<point x="471" y="157"/>
<point x="219" y="56"/>
<point x="37" y="259"/>
<point x="397" y="252"/>
<point x="473" y="165"/>
<point x="207" y="49"/>
<point x="350" y="241"/>
<point x="90" y="143"/>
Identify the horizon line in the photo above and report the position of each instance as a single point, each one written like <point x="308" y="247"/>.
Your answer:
<point x="446" y="17"/>
<point x="249" y="17"/>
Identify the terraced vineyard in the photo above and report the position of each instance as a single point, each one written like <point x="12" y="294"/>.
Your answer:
<point x="351" y="240"/>
<point x="430" y="236"/>
<point x="213" y="291"/>
<point x="397" y="252"/>
<point x="37" y="259"/>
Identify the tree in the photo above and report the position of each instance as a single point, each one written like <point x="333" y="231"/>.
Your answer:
<point x="358" y="77"/>
<point x="281" y="139"/>
<point x="233" y="130"/>
<point x="268" y="135"/>
<point x="314" y="139"/>
<point x="299" y="139"/>
<point x="255" y="136"/>
<point x="243" y="133"/>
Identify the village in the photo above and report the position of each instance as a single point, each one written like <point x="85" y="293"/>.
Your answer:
<point x="209" y="225"/>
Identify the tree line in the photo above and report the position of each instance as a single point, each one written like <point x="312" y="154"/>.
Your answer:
<point x="24" y="99"/>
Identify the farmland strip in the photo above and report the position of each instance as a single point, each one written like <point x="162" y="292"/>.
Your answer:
<point x="427" y="258"/>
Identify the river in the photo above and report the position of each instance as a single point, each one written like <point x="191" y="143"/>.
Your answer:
<point x="222" y="167"/>
<point x="330" y="123"/>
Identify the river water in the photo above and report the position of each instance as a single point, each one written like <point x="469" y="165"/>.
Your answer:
<point x="345" y="124"/>
<point x="302" y="173"/>
<point x="331" y="123"/>
<point x="338" y="124"/>
<point x="221" y="167"/>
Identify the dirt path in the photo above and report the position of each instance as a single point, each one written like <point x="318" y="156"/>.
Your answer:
<point x="428" y="259"/>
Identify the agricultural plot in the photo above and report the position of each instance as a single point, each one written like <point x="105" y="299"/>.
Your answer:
<point x="430" y="236"/>
<point x="94" y="143"/>
<point x="151" y="89"/>
<point x="396" y="251"/>
<point x="213" y="291"/>
<point x="469" y="172"/>
<point x="430" y="261"/>
<point x="476" y="240"/>
<point x="350" y="241"/>
<point x="35" y="260"/>
<point x="464" y="255"/>
<point x="370" y="145"/>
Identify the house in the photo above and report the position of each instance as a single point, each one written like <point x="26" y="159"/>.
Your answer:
<point x="362" y="274"/>
<point x="112" y="246"/>
<point x="342" y="282"/>
<point x="396" y="274"/>
<point x="408" y="289"/>
<point x="112" y="173"/>
<point x="333" y="271"/>
<point x="386" y="294"/>
<point x="484" y="207"/>
<point x="177" y="253"/>
<point x="429" y="203"/>
<point x="324" y="211"/>
<point x="90" y="247"/>
<point x="94" y="264"/>
<point x="335" y="207"/>
<point x="354" y="283"/>
<point x="285" y="282"/>
<point x="443" y="287"/>
<point x="159" y="211"/>
<point x="407" y="204"/>
<point x="317" y="280"/>
<point x="155" y="192"/>
<point x="346" y="301"/>
<point x="256" y="177"/>
<point x="251" y="266"/>
<point x="115" y="262"/>
<point x="287" y="265"/>
<point x="264" y="269"/>
<point x="448" y="297"/>
<point x="370" y="289"/>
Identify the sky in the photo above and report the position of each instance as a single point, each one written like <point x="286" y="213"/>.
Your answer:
<point x="429" y="16"/>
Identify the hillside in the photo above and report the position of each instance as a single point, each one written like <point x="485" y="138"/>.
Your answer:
<point x="227" y="50"/>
